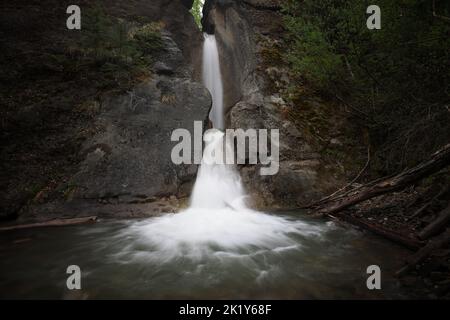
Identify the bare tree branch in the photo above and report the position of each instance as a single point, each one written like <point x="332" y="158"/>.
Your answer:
<point x="437" y="15"/>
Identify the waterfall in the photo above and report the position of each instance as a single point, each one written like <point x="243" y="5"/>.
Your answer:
<point x="218" y="219"/>
<point x="218" y="185"/>
<point x="212" y="80"/>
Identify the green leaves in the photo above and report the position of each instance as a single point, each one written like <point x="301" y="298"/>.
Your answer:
<point x="196" y="11"/>
<point x="392" y="75"/>
<point x="312" y="57"/>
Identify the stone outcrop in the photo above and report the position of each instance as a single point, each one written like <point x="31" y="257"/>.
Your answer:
<point x="126" y="168"/>
<point x="176" y="19"/>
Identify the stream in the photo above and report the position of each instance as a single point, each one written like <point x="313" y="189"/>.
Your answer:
<point x="308" y="259"/>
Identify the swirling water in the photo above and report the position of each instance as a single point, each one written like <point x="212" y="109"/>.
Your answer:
<point x="293" y="258"/>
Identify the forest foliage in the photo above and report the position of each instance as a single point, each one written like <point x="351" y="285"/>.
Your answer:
<point x="396" y="81"/>
<point x="196" y="11"/>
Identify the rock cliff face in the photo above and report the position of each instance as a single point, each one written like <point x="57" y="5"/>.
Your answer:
<point x="70" y="147"/>
<point x="123" y="165"/>
<point x="253" y="87"/>
<point x="129" y="161"/>
<point x="176" y="19"/>
<point x="127" y="167"/>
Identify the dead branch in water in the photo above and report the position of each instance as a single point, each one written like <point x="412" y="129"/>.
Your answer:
<point x="351" y="182"/>
<point x="340" y="200"/>
<point x="52" y="223"/>
<point x="439" y="224"/>
<point x="422" y="210"/>
<point x="444" y="18"/>
<point x="409" y="242"/>
<point x="435" y="243"/>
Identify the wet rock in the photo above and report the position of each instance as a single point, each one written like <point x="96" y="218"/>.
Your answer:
<point x="127" y="166"/>
<point x="91" y="145"/>
<point x="142" y="165"/>
<point x="298" y="180"/>
<point x="171" y="56"/>
<point x="276" y="99"/>
<point x="336" y="142"/>
<point x="161" y="68"/>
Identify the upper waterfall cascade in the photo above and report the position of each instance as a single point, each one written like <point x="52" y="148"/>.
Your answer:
<point x="212" y="80"/>
<point x="217" y="185"/>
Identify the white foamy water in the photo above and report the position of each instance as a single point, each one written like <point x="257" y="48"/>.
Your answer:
<point x="199" y="232"/>
<point x="218" y="186"/>
<point x="218" y="221"/>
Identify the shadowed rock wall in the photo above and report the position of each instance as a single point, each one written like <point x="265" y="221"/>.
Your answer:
<point x="120" y="158"/>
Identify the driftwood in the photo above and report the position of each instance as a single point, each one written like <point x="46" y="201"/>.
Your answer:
<point x="351" y="182"/>
<point x="409" y="242"/>
<point x="439" y="224"/>
<point x="435" y="243"/>
<point x="422" y="210"/>
<point x="447" y="19"/>
<point x="339" y="202"/>
<point x="52" y="223"/>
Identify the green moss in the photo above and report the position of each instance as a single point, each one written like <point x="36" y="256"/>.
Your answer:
<point x="148" y="38"/>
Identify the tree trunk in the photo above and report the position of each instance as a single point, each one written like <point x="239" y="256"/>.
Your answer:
<point x="52" y="223"/>
<point x="435" y="243"/>
<point x="437" y="225"/>
<point x="435" y="163"/>
<point x="409" y="242"/>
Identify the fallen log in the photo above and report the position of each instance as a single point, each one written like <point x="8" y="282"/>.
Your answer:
<point x="435" y="243"/>
<point x="422" y="210"/>
<point x="435" y="163"/>
<point x="439" y="224"/>
<point x="52" y="223"/>
<point x="409" y="242"/>
<point x="351" y="182"/>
